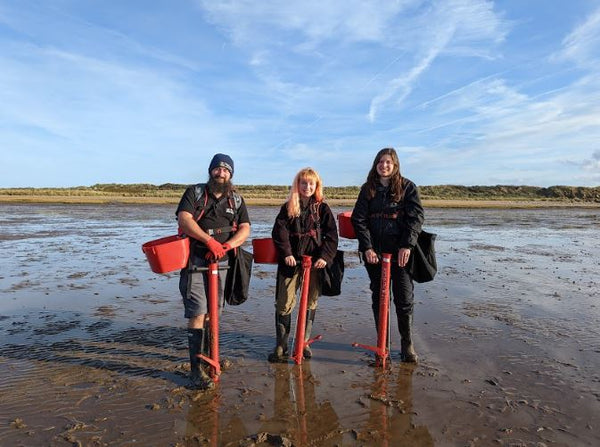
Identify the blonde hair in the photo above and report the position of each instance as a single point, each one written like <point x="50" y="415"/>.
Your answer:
<point x="293" y="201"/>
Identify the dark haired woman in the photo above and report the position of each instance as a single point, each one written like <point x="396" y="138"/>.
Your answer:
<point x="387" y="218"/>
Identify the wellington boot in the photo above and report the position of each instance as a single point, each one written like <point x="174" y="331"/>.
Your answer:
<point x="278" y="355"/>
<point x="310" y="318"/>
<point x="199" y="379"/>
<point x="307" y="352"/>
<point x="282" y="332"/>
<point x="408" y="354"/>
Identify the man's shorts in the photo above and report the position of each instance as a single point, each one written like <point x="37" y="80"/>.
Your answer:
<point x="194" y="290"/>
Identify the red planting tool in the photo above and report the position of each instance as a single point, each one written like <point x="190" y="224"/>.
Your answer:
<point x="213" y="320"/>
<point x="382" y="350"/>
<point x="299" y="342"/>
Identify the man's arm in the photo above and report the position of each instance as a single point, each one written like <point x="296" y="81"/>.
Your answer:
<point x="240" y="236"/>
<point x="191" y="228"/>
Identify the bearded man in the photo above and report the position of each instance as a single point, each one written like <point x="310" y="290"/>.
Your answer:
<point x="214" y="216"/>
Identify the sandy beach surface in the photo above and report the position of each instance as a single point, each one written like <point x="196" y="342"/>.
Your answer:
<point x="93" y="349"/>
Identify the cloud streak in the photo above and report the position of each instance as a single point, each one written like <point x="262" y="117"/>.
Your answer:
<point x="582" y="45"/>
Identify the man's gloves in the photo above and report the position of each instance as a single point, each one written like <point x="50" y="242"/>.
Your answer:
<point x="217" y="251"/>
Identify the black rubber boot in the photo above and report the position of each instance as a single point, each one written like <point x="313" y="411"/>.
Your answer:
<point x="310" y="318"/>
<point x="283" y="324"/>
<point x="405" y="327"/>
<point x="199" y="379"/>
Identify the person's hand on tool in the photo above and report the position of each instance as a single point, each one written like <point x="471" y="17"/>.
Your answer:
<point x="371" y="257"/>
<point x="216" y="249"/>
<point x="403" y="255"/>
<point x="320" y="263"/>
<point x="290" y="261"/>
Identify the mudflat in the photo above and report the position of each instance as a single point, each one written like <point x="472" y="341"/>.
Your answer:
<point x="93" y="348"/>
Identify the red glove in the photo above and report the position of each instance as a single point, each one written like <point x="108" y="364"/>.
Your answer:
<point x="216" y="249"/>
<point x="226" y="246"/>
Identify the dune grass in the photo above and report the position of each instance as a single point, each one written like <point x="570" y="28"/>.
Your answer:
<point x="500" y="196"/>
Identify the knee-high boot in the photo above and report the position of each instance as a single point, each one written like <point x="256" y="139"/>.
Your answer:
<point x="283" y="324"/>
<point x="405" y="327"/>
<point x="199" y="378"/>
<point x="310" y="318"/>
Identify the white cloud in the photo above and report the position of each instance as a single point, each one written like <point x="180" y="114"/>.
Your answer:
<point x="63" y="105"/>
<point x="251" y="23"/>
<point x="417" y="30"/>
<point x="451" y="26"/>
<point x="401" y="87"/>
<point x="582" y="45"/>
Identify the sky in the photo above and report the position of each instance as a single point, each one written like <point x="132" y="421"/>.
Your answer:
<point x="469" y="92"/>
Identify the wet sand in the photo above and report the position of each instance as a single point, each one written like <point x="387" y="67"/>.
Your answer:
<point x="93" y="348"/>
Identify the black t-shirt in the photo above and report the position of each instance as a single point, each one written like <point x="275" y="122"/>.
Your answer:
<point x="218" y="213"/>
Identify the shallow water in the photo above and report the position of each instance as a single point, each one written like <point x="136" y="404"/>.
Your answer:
<point x="93" y="347"/>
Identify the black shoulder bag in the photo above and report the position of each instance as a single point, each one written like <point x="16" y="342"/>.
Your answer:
<point x="332" y="276"/>
<point x="237" y="281"/>
<point x="422" y="262"/>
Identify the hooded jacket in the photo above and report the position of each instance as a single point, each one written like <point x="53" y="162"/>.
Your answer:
<point x="385" y="225"/>
<point x="312" y="233"/>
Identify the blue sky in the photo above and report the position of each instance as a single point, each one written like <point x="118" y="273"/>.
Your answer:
<point x="469" y="92"/>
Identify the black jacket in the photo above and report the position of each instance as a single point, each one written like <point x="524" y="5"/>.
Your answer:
<point x="293" y="237"/>
<point x="384" y="225"/>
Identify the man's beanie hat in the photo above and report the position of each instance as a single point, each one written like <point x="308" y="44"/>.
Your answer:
<point x="221" y="161"/>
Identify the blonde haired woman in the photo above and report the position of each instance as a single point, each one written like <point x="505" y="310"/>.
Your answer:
<point x="305" y="225"/>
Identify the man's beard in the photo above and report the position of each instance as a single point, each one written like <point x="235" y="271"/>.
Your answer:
<point x="219" y="187"/>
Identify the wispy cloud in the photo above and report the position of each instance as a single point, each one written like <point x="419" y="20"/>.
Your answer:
<point x="582" y="45"/>
<point x="454" y="26"/>
<point x="417" y="31"/>
<point x="253" y="24"/>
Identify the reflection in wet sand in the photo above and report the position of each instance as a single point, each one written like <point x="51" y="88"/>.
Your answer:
<point x="296" y="411"/>
<point x="390" y="404"/>
<point x="297" y="418"/>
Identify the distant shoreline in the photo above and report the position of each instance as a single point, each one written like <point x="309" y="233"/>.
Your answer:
<point x="253" y="201"/>
<point x="435" y="196"/>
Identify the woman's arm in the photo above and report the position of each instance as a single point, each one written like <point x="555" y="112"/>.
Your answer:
<point x="281" y="234"/>
<point x="329" y="235"/>
<point x="360" y="221"/>
<point x="413" y="216"/>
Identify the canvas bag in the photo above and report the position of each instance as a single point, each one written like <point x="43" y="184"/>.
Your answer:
<point x="332" y="276"/>
<point x="237" y="281"/>
<point x="422" y="262"/>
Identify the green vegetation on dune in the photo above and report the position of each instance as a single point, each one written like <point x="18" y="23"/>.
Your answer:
<point x="508" y="192"/>
<point x="437" y="192"/>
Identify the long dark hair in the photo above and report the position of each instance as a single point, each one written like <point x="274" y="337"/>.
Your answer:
<point x="396" y="190"/>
